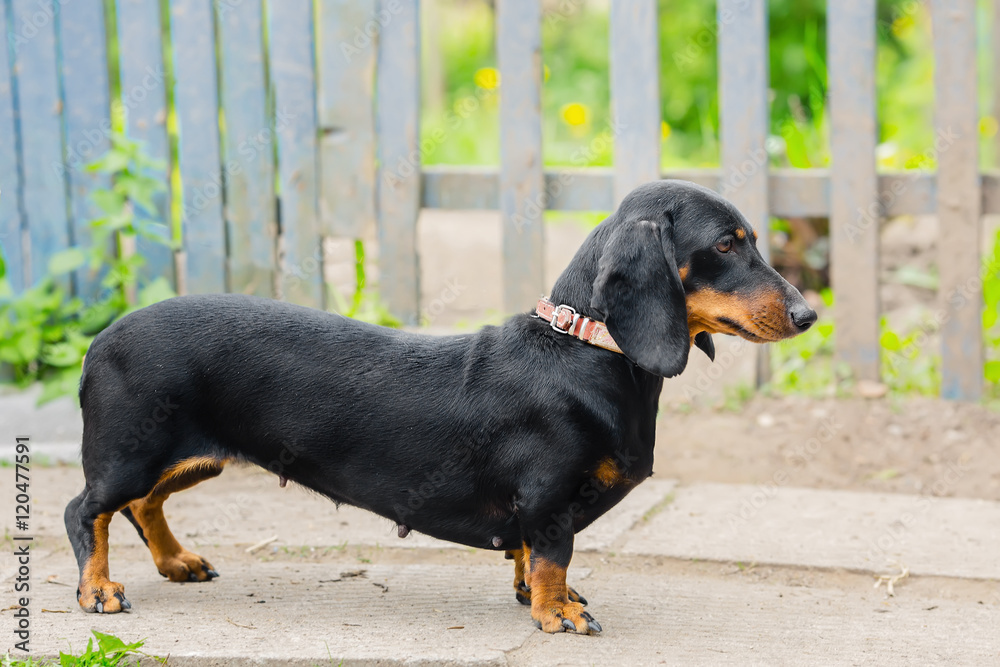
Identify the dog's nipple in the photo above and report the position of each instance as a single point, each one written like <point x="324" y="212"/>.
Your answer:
<point x="402" y="530"/>
<point x="282" y="481"/>
<point x="497" y="542"/>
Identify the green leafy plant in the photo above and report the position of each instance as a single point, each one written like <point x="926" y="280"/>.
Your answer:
<point x="110" y="651"/>
<point x="364" y="304"/>
<point x="991" y="317"/>
<point x="804" y="364"/>
<point x="45" y="330"/>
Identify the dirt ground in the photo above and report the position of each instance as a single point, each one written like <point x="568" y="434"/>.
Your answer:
<point x="919" y="446"/>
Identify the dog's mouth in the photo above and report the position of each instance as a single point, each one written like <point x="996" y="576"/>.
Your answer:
<point x="759" y="320"/>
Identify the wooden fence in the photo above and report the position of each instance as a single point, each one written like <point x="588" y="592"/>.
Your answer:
<point x="310" y="143"/>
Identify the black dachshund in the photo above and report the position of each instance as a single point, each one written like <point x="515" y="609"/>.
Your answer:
<point x="514" y="438"/>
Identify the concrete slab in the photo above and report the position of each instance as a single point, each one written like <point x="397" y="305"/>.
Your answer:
<point x="954" y="537"/>
<point x="281" y="614"/>
<point x="300" y="614"/>
<point x="737" y="621"/>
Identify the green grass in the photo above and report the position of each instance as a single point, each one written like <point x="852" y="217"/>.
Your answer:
<point x="110" y="651"/>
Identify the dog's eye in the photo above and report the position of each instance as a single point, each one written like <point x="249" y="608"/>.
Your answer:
<point x="724" y="246"/>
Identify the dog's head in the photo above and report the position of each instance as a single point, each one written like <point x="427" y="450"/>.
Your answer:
<point x="677" y="263"/>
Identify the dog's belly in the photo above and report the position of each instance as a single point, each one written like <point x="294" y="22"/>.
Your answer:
<point x="458" y="521"/>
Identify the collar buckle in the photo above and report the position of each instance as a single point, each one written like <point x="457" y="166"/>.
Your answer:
<point x="564" y="318"/>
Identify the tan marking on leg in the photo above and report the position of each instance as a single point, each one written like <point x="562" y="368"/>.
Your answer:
<point x="550" y="604"/>
<point x="95" y="587"/>
<point x="172" y="560"/>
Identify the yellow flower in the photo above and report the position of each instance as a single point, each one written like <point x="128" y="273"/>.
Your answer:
<point x="575" y="114"/>
<point x="545" y="73"/>
<point x="988" y="126"/>
<point x="901" y="24"/>
<point x="664" y="130"/>
<point x="487" y="78"/>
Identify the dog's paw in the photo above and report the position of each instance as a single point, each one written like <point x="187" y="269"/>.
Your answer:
<point x="103" y="597"/>
<point x="569" y="616"/>
<point x="185" y="566"/>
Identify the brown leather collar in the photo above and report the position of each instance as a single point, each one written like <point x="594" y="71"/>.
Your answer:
<point x="565" y="319"/>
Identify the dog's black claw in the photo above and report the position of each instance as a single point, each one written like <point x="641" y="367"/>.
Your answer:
<point x="579" y="598"/>
<point x="569" y="625"/>
<point x="594" y="626"/>
<point x="192" y="576"/>
<point x="125" y="604"/>
<point x="538" y="624"/>
<point x="99" y="607"/>
<point x="212" y="574"/>
<point x="523" y="599"/>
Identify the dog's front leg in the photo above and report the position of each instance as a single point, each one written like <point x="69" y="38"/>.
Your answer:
<point x="549" y="548"/>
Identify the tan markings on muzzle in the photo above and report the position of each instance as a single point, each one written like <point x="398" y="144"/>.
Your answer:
<point x="759" y="317"/>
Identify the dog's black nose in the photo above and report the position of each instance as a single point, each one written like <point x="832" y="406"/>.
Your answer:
<point x="803" y="316"/>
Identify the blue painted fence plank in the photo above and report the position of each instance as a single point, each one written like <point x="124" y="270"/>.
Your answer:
<point x="398" y="129"/>
<point x="11" y="240"/>
<point x="635" y="93"/>
<point x="347" y="114"/>
<point x="294" y="76"/>
<point x="854" y="208"/>
<point x="959" y="198"/>
<point x="248" y="151"/>
<point x="522" y="194"/>
<point x="144" y="97"/>
<point x="39" y="116"/>
<point x="196" y="99"/>
<point x="87" y="118"/>
<point x="743" y="117"/>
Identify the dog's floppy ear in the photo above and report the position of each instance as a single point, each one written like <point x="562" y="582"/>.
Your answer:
<point x="704" y="342"/>
<point x="639" y="292"/>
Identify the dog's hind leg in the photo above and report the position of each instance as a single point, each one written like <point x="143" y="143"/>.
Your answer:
<point x="87" y="525"/>
<point x="146" y="514"/>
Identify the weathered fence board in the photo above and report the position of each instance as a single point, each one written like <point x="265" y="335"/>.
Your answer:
<point x="87" y="117"/>
<point x="144" y="97"/>
<point x="342" y="143"/>
<point x="958" y="198"/>
<point x="248" y="151"/>
<point x="294" y="79"/>
<point x="635" y="94"/>
<point x="198" y="151"/>
<point x="791" y="192"/>
<point x="522" y="194"/>
<point x="744" y="121"/>
<point x="398" y="187"/>
<point x="11" y="241"/>
<point x="43" y="188"/>
<point x="854" y="208"/>
<point x="348" y="47"/>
